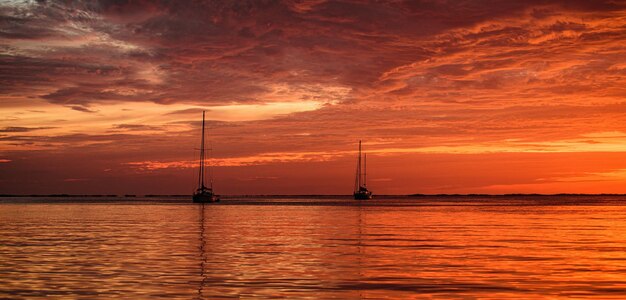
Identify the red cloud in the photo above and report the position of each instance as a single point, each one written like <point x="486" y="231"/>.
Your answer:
<point x="413" y="76"/>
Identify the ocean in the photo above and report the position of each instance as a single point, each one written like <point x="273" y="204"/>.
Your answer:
<point x="443" y="247"/>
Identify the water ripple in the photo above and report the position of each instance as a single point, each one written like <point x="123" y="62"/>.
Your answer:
<point x="312" y="249"/>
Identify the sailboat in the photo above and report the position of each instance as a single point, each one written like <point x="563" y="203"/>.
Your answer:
<point x="204" y="194"/>
<point x="360" y="184"/>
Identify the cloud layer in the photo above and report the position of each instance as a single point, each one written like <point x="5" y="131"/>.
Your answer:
<point x="289" y="86"/>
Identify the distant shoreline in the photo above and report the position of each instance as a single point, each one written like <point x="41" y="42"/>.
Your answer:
<point x="308" y="195"/>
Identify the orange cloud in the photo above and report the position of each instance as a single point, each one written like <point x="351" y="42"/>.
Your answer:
<point x="119" y="87"/>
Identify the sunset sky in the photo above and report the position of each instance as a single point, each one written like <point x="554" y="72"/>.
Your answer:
<point x="448" y="96"/>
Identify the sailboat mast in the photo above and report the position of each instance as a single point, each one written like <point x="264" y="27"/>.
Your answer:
<point x="356" y="177"/>
<point x="201" y="179"/>
<point x="359" y="168"/>
<point x="210" y="169"/>
<point x="365" y="170"/>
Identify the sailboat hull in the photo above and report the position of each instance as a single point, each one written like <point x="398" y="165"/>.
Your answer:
<point x="362" y="196"/>
<point x="205" y="198"/>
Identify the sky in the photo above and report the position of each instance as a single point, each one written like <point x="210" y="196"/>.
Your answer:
<point x="106" y="97"/>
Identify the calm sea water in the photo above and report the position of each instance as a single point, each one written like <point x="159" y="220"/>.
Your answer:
<point x="449" y="248"/>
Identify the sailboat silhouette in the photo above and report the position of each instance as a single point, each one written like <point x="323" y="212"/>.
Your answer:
<point x="360" y="183"/>
<point x="204" y="194"/>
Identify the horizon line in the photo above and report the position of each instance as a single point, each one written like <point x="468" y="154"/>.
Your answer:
<point x="313" y="195"/>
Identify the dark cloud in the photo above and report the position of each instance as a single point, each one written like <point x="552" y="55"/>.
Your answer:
<point x="82" y="109"/>
<point x="190" y="111"/>
<point x="218" y="52"/>
<point x="23" y="129"/>
<point x="135" y="127"/>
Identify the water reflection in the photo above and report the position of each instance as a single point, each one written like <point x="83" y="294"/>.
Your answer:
<point x="346" y="251"/>
<point x="360" y="248"/>
<point x="203" y="260"/>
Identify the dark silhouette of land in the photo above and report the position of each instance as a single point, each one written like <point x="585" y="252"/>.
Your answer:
<point x="315" y="195"/>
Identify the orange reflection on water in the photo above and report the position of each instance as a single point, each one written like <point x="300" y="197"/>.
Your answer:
<point x="333" y="248"/>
